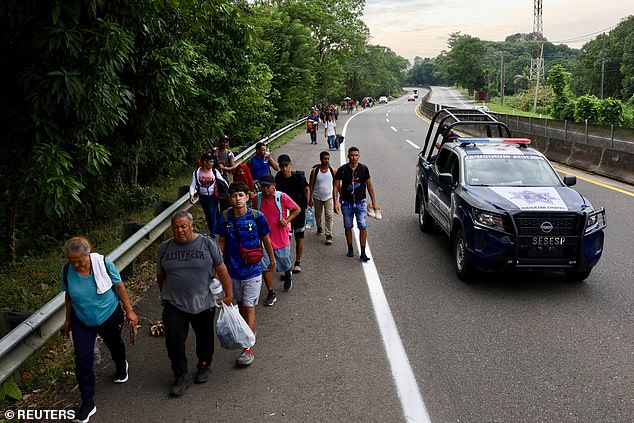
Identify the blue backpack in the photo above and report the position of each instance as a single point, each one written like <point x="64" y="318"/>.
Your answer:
<point x="278" y="201"/>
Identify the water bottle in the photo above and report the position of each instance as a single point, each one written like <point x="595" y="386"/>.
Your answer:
<point x="216" y="291"/>
<point x="310" y="218"/>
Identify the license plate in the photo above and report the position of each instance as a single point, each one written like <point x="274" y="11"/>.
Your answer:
<point x="547" y="245"/>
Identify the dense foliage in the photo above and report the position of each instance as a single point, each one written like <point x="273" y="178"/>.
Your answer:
<point x="102" y="98"/>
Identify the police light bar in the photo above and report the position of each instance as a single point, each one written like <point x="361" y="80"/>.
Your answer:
<point x="466" y="141"/>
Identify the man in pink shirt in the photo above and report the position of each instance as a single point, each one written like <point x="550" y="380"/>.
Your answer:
<point x="279" y="210"/>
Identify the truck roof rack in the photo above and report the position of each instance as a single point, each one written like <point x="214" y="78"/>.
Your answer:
<point x="449" y="119"/>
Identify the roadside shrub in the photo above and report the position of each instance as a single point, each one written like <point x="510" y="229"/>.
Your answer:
<point x="587" y="107"/>
<point x="611" y="112"/>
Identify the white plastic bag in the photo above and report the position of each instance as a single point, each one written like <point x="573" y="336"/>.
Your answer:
<point x="231" y="329"/>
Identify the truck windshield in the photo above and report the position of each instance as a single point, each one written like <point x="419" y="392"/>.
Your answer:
<point x="509" y="170"/>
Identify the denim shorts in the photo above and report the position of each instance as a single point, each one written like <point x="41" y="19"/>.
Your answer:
<point x="350" y="210"/>
<point x="282" y="259"/>
<point x="247" y="291"/>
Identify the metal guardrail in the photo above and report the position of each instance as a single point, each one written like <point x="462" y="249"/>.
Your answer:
<point x="26" y="338"/>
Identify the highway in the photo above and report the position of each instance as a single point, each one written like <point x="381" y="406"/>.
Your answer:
<point x="401" y="338"/>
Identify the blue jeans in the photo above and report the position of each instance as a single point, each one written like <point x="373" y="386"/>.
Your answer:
<point x="331" y="141"/>
<point x="352" y="210"/>
<point x="84" y="344"/>
<point x="209" y="203"/>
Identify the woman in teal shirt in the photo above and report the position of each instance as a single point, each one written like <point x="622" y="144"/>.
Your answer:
<point x="92" y="308"/>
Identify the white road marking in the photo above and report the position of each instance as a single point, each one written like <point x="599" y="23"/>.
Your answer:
<point x="387" y="120"/>
<point x="394" y="129"/>
<point x="413" y="145"/>
<point x="414" y="409"/>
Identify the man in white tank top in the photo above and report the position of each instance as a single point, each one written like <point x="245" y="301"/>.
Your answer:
<point x="321" y="183"/>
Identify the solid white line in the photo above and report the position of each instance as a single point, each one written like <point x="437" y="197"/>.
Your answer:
<point x="413" y="145"/>
<point x="414" y="409"/>
<point x="393" y="129"/>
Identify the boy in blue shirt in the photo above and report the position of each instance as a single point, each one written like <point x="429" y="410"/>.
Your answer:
<point x="238" y="227"/>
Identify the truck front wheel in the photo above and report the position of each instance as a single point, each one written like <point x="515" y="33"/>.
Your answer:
<point x="425" y="221"/>
<point x="464" y="270"/>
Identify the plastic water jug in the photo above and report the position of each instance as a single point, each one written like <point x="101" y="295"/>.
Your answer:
<point x="310" y="218"/>
<point x="215" y="287"/>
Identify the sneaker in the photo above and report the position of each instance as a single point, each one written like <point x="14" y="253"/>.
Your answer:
<point x="371" y="212"/>
<point x="328" y="240"/>
<point x="350" y="253"/>
<point x="319" y="232"/>
<point x="181" y="383"/>
<point x="364" y="258"/>
<point x="246" y="358"/>
<point x="86" y="410"/>
<point x="202" y="375"/>
<point x="270" y="299"/>
<point x="297" y="268"/>
<point x="121" y="375"/>
<point x="378" y="214"/>
<point x="288" y="283"/>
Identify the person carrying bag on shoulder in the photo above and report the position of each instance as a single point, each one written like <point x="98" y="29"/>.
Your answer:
<point x="242" y="232"/>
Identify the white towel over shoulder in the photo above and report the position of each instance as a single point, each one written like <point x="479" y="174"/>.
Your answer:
<point x="102" y="277"/>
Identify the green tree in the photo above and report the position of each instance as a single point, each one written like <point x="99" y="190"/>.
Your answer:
<point x="463" y="64"/>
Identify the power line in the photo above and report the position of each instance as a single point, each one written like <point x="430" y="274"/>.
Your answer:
<point x="584" y="37"/>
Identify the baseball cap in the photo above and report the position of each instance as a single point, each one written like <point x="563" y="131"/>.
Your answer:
<point x="267" y="179"/>
<point x="284" y="159"/>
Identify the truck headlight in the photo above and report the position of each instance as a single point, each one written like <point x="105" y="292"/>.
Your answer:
<point x="595" y="221"/>
<point x="489" y="219"/>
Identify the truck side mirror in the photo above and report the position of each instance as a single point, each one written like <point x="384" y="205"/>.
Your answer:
<point x="570" y="180"/>
<point x="446" y="178"/>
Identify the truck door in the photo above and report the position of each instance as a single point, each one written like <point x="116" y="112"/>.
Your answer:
<point x="440" y="195"/>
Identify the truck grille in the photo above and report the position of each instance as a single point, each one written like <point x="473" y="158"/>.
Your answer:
<point x="562" y="225"/>
<point x="549" y="237"/>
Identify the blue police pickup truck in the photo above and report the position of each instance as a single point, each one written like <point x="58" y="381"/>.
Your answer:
<point x="502" y="204"/>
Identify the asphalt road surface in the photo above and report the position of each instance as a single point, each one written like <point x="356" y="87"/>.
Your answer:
<point x="401" y="338"/>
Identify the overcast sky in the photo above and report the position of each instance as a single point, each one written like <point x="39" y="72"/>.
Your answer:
<point x="421" y="27"/>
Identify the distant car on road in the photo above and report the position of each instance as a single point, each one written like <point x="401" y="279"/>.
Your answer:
<point x="484" y="109"/>
<point x="383" y="99"/>
<point x="411" y="98"/>
<point x="502" y="204"/>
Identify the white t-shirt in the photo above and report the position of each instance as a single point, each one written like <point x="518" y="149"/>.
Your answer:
<point x="330" y="128"/>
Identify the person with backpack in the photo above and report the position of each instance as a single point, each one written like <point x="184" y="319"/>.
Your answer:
<point x="321" y="183"/>
<point x="241" y="234"/>
<point x="210" y="187"/>
<point x="294" y="184"/>
<point x="279" y="210"/>
<point x="312" y="124"/>
<point x="94" y="294"/>
<point x="262" y="162"/>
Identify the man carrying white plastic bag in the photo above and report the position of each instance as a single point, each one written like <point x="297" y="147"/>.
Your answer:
<point x="241" y="235"/>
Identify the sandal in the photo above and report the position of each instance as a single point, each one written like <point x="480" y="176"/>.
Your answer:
<point x="158" y="329"/>
<point x="371" y="212"/>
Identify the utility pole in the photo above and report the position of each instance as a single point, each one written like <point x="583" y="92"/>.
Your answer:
<point x="541" y="54"/>
<point x="502" y="78"/>
<point x="537" y="59"/>
<point x="602" y="64"/>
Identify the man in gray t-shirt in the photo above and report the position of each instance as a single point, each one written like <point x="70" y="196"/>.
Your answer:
<point x="185" y="266"/>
